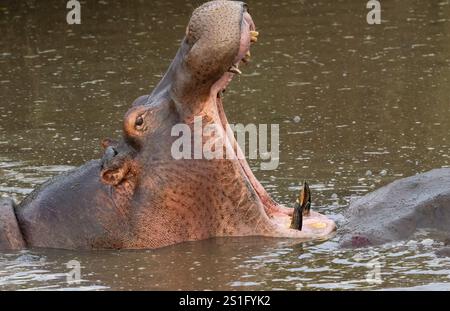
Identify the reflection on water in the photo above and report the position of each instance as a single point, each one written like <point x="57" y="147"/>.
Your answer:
<point x="358" y="106"/>
<point x="19" y="178"/>
<point x="240" y="263"/>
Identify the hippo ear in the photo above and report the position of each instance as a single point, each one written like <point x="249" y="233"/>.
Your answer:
<point x="115" y="167"/>
<point x="114" y="175"/>
<point x="109" y="142"/>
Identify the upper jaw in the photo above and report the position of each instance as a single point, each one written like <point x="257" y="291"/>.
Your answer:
<point x="209" y="49"/>
<point x="248" y="36"/>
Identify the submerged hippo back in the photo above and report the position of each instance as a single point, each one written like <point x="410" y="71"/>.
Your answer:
<point x="396" y="211"/>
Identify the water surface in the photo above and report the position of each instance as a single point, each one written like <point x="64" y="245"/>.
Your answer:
<point x="358" y="106"/>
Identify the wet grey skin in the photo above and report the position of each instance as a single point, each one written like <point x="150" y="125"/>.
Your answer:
<point x="396" y="211"/>
<point x="10" y="236"/>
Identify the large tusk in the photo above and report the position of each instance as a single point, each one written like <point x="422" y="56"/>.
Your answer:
<point x="305" y="199"/>
<point x="235" y="70"/>
<point x="247" y="57"/>
<point x="302" y="207"/>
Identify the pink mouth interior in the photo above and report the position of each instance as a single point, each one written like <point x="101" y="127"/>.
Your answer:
<point x="315" y="225"/>
<point x="271" y="207"/>
<point x="279" y="214"/>
<point x="247" y="26"/>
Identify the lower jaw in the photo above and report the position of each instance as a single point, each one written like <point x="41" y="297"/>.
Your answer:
<point x="270" y="206"/>
<point x="277" y="218"/>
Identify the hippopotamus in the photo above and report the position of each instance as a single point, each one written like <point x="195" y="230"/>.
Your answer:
<point x="396" y="211"/>
<point x="139" y="196"/>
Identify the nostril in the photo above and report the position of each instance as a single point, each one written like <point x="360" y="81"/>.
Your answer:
<point x="360" y="241"/>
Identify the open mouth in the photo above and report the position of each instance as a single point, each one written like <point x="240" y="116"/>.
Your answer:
<point x="249" y="35"/>
<point x="299" y="219"/>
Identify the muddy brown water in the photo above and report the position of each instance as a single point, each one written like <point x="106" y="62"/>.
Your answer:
<point x="358" y="106"/>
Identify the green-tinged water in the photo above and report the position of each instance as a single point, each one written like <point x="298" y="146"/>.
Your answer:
<point x="358" y="106"/>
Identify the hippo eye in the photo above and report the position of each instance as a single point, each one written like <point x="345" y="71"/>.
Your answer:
<point x="139" y="121"/>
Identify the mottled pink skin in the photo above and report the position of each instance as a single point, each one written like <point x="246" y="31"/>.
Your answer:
<point x="138" y="195"/>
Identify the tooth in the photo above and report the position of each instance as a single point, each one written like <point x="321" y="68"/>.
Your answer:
<point x="305" y="199"/>
<point x="302" y="207"/>
<point x="247" y="57"/>
<point x="297" y="217"/>
<point x="318" y="225"/>
<point x="254" y="36"/>
<point x="235" y="70"/>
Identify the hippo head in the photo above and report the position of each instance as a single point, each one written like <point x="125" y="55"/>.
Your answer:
<point x="168" y="198"/>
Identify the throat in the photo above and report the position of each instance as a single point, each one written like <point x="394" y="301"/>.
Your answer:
<point x="269" y="204"/>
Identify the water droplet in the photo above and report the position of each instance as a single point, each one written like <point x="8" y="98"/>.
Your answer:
<point x="427" y="242"/>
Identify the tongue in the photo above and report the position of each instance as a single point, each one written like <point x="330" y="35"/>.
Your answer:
<point x="270" y="206"/>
